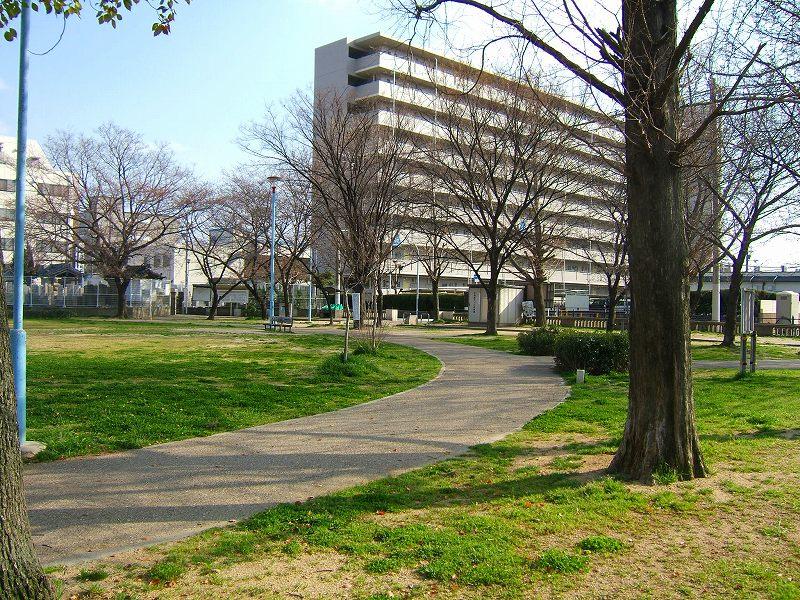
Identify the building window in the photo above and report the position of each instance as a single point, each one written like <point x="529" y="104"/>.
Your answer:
<point x="7" y="185"/>
<point x="7" y="214"/>
<point x="52" y="189"/>
<point x="7" y="243"/>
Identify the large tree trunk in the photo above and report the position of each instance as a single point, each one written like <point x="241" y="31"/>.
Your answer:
<point x="21" y="574"/>
<point x="212" y="311"/>
<point x="261" y="299"/>
<point x="491" y="306"/>
<point x="660" y="431"/>
<point x="611" y="314"/>
<point x="435" y="297"/>
<point x="732" y="305"/>
<point x="285" y="291"/>
<point x="121" y="283"/>
<point x="538" y="301"/>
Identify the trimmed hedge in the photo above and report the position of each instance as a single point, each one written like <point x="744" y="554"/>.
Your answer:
<point x="597" y="352"/>
<point x="447" y="301"/>
<point x="539" y="341"/>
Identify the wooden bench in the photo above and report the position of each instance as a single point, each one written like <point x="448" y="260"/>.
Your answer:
<point x="279" y="324"/>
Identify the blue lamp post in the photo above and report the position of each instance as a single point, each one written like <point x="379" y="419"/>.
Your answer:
<point x="273" y="180"/>
<point x="18" y="342"/>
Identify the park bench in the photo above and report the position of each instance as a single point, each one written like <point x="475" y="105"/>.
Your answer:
<point x="279" y="324"/>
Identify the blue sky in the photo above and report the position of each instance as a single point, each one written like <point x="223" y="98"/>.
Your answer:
<point x="194" y="88"/>
<point x="191" y="89"/>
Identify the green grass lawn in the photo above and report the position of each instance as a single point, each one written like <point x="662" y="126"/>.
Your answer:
<point x="712" y="351"/>
<point x="700" y="350"/>
<point x="503" y="343"/>
<point x="103" y="386"/>
<point x="533" y="515"/>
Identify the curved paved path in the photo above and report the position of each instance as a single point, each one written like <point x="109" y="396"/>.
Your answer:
<point x="90" y="507"/>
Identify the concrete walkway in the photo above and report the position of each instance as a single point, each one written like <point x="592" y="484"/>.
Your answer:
<point x="91" y="507"/>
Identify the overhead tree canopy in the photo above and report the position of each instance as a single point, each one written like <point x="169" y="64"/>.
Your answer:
<point x="106" y="11"/>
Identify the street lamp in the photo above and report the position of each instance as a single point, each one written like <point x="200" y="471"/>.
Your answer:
<point x="273" y="180"/>
<point x="18" y="341"/>
<point x="417" y="304"/>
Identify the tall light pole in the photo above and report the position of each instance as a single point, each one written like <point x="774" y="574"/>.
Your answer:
<point x="273" y="180"/>
<point x="18" y="341"/>
<point x="417" y="306"/>
<point x="310" y="283"/>
<point x="186" y="280"/>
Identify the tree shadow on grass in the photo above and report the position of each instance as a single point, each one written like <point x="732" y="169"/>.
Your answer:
<point x="762" y="433"/>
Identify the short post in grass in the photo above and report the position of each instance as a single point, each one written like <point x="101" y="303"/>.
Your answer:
<point x="743" y="361"/>
<point x="747" y="328"/>
<point x="753" y="351"/>
<point x="580" y="375"/>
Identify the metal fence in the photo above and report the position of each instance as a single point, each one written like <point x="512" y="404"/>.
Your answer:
<point x="152" y="297"/>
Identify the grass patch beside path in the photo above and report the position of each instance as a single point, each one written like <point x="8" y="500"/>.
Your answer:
<point x="103" y="386"/>
<point x="502" y="343"/>
<point x="533" y="512"/>
<point x="713" y="351"/>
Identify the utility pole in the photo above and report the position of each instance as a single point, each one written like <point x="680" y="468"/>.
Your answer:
<point x="310" y="283"/>
<point x="273" y="180"/>
<point x="417" y="306"/>
<point x="715" y="272"/>
<point x="18" y="336"/>
<point x="186" y="281"/>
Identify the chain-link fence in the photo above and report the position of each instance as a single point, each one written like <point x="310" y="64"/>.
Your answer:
<point x="92" y="294"/>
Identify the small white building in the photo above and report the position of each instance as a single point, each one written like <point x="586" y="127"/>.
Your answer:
<point x="787" y="307"/>
<point x="509" y="304"/>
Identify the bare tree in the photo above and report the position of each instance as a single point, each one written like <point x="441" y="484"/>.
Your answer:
<point x="296" y="230"/>
<point x="357" y="166"/>
<point x="607" y="246"/>
<point x="760" y="193"/>
<point x="126" y="198"/>
<point x="432" y="248"/>
<point x="539" y="252"/>
<point x="630" y="58"/>
<point x="248" y="196"/>
<point x="320" y="265"/>
<point x="209" y="237"/>
<point x="503" y="158"/>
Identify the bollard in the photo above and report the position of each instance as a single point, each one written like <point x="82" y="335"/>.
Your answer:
<point x="580" y="375"/>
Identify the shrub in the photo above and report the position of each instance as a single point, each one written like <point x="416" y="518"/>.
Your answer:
<point x="600" y="544"/>
<point x="363" y="347"/>
<point x="92" y="575"/>
<point x="447" y="301"/>
<point x="597" y="352"/>
<point x="166" y="571"/>
<point x="334" y="368"/>
<point x="539" y="341"/>
<point x="559" y="561"/>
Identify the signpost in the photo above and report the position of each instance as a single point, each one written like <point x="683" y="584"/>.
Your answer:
<point x="748" y="329"/>
<point x="356" y="298"/>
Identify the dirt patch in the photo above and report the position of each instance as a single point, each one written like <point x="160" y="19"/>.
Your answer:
<point x="542" y="454"/>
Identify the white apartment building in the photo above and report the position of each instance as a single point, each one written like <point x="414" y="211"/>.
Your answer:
<point x="399" y="77"/>
<point x="40" y="173"/>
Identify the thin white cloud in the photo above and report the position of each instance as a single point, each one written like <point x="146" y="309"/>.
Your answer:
<point x="3" y="85"/>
